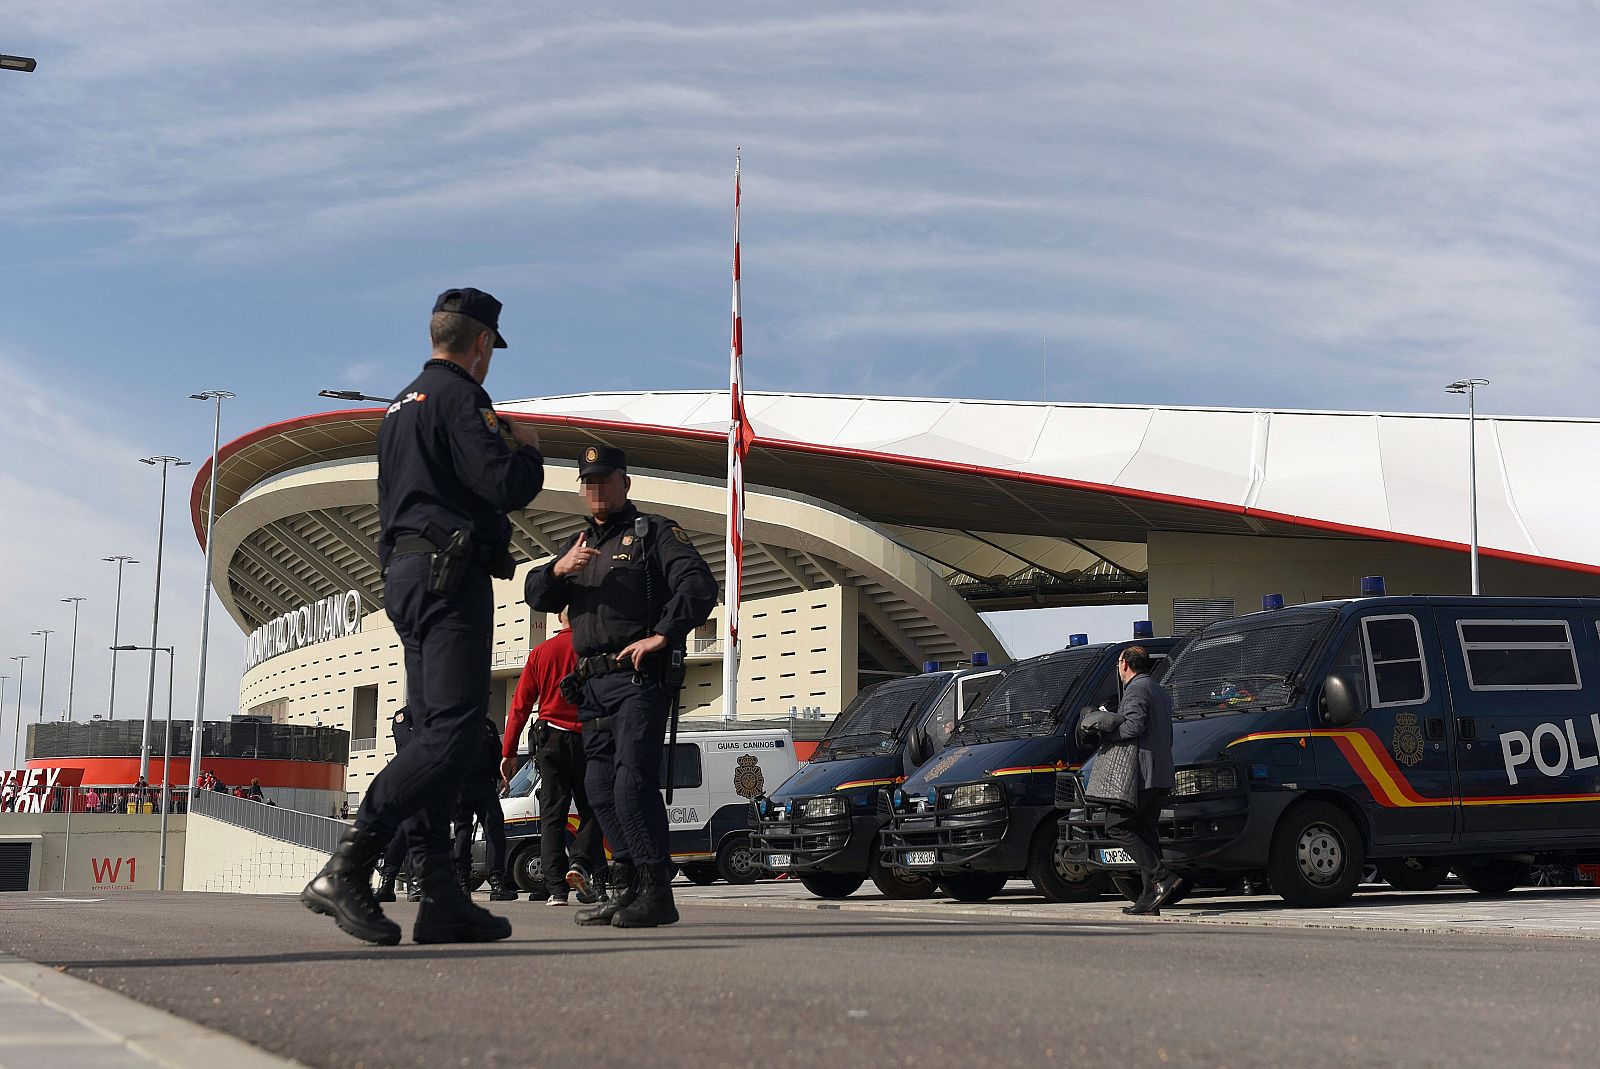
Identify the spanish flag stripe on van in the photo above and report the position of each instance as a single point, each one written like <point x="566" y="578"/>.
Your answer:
<point x="870" y="783"/>
<point x="1372" y="762"/>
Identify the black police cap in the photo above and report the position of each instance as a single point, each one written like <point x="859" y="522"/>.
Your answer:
<point x="475" y="304"/>
<point x="601" y="460"/>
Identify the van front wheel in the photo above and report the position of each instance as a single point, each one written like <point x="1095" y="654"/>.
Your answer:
<point x="833" y="884"/>
<point x="1059" y="878"/>
<point x="973" y="886"/>
<point x="1316" y="857"/>
<point x="736" y="860"/>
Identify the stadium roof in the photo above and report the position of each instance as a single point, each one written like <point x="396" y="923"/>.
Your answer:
<point x="984" y="487"/>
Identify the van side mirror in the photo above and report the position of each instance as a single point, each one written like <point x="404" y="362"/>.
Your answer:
<point x="921" y="747"/>
<point x="1341" y="701"/>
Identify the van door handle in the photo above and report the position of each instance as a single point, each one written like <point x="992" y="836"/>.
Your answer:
<point x="1435" y="728"/>
<point x="1466" y="727"/>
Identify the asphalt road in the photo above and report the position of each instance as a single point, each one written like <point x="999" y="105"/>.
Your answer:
<point x="744" y="985"/>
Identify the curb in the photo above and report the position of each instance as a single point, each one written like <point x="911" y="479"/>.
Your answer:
<point x="1312" y="921"/>
<point x="152" y="1034"/>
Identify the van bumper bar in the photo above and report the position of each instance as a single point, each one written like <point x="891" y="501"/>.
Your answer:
<point x="1228" y="832"/>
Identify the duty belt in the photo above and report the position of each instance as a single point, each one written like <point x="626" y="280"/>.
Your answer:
<point x="591" y="667"/>
<point x="421" y="544"/>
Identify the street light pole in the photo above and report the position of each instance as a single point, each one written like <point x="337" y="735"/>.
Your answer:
<point x="44" y="666"/>
<point x="166" y="760"/>
<point x="166" y="463"/>
<point x="22" y="680"/>
<point x="205" y="587"/>
<point x="3" y="681"/>
<point x="116" y="631"/>
<point x="72" y="670"/>
<point x="1470" y="388"/>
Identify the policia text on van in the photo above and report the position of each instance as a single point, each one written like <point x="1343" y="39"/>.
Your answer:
<point x="1426" y="733"/>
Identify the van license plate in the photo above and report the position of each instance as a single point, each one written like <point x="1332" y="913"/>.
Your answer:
<point x="1115" y="857"/>
<point x="778" y="861"/>
<point x="920" y="857"/>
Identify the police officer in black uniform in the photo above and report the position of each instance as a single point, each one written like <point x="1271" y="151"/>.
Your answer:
<point x="448" y="472"/>
<point x="634" y="587"/>
<point x="394" y="857"/>
<point x="480" y="802"/>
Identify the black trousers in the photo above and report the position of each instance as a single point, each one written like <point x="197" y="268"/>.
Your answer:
<point x="559" y="757"/>
<point x="480" y="800"/>
<point x="623" y="771"/>
<point x="1136" y="832"/>
<point x="394" y="857"/>
<point x="446" y="642"/>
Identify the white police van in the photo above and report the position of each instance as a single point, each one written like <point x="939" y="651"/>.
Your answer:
<point x="715" y="775"/>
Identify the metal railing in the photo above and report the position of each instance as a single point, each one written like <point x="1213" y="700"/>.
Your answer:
<point x="363" y="745"/>
<point x="286" y="825"/>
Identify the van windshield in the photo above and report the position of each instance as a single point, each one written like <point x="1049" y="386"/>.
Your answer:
<point x="875" y="720"/>
<point x="1253" y="663"/>
<point x="1030" y="698"/>
<point x="523" y="781"/>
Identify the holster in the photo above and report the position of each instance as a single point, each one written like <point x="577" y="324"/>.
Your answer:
<point x="447" y="567"/>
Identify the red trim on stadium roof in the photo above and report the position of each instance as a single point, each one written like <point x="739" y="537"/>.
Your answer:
<point x="925" y="463"/>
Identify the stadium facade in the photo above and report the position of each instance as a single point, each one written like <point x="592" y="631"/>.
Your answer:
<point x="878" y="530"/>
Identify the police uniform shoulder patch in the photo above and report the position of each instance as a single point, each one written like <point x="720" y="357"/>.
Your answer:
<point x="591" y="455"/>
<point x="627" y="540"/>
<point x="681" y="535"/>
<point x="1407" y="739"/>
<point x="748" y="779"/>
<point x="490" y="419"/>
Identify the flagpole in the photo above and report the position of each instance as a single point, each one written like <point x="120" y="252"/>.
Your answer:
<point x="733" y="556"/>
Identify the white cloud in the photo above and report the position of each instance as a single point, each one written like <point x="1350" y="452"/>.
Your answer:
<point x="75" y="493"/>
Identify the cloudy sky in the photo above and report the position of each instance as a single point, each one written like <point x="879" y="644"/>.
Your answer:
<point x="1256" y="204"/>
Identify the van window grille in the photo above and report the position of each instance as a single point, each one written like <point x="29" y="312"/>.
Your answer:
<point x="1251" y="663"/>
<point x="1031" y="696"/>
<point x="880" y="712"/>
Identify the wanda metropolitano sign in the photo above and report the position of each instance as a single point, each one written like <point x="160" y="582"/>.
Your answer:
<point x="332" y="617"/>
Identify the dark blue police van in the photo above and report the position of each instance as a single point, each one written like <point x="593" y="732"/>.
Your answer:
<point x="983" y="810"/>
<point x="1424" y="733"/>
<point x="822" y="823"/>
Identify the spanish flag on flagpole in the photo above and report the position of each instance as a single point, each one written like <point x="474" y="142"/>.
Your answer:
<point x="740" y="437"/>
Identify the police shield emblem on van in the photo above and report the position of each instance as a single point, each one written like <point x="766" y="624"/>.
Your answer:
<point x="1407" y="739"/>
<point x="748" y="780"/>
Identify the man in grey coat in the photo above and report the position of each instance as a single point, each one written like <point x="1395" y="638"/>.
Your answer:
<point x="1146" y="714"/>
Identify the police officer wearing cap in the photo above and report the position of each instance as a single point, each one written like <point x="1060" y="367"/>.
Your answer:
<point x="634" y="587"/>
<point x="448" y="472"/>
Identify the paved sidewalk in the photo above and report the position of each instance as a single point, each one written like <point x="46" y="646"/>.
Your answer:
<point x="48" y="1018"/>
<point x="1567" y="912"/>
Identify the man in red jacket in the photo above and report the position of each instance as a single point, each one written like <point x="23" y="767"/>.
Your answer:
<point x="558" y="753"/>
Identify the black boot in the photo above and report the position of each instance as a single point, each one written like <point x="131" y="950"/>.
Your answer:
<point x="653" y="906"/>
<point x="385" y="885"/>
<point x="498" y="891"/>
<point x="343" y="889"/>
<point x="447" y="915"/>
<point x="624" y="889"/>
